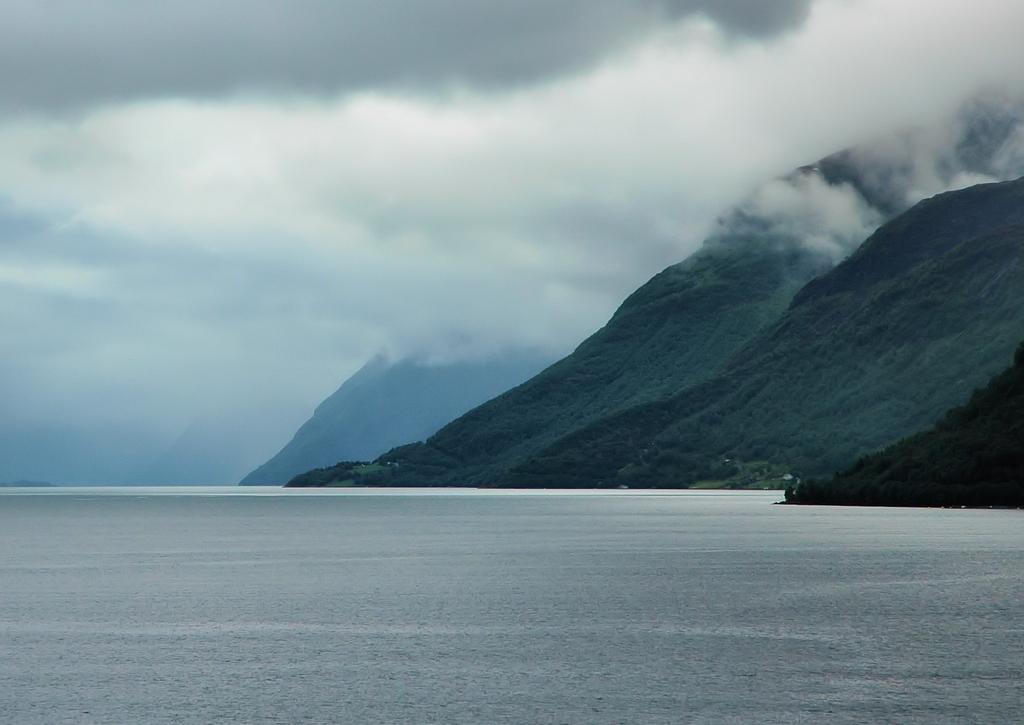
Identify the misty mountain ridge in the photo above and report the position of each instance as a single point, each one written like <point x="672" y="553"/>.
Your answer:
<point x="388" y="403"/>
<point x="684" y="326"/>
<point x="808" y="221"/>
<point x="927" y="309"/>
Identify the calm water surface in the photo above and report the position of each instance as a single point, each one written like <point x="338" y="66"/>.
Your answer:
<point x="216" y="605"/>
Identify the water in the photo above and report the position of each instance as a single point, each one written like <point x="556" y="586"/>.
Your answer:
<point x="263" y="606"/>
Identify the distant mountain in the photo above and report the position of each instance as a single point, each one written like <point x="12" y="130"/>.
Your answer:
<point x="973" y="457"/>
<point x="385" y="404"/>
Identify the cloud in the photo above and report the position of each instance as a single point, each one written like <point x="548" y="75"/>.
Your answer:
<point x="68" y="54"/>
<point x="833" y="205"/>
<point x="828" y="218"/>
<point x="211" y="254"/>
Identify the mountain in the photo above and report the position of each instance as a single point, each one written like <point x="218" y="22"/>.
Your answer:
<point x="929" y="307"/>
<point x="973" y="457"/>
<point x="684" y="326"/>
<point x="677" y="330"/>
<point x="385" y="404"/>
<point x="672" y="333"/>
<point x="688" y="324"/>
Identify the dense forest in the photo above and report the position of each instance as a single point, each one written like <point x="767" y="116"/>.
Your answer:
<point x="973" y="457"/>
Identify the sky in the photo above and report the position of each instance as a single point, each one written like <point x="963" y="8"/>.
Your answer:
<point x="212" y="213"/>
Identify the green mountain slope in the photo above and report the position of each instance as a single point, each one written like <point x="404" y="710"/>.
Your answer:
<point x="675" y="331"/>
<point x="973" y="457"/>
<point x="694" y="323"/>
<point x="385" y="404"/>
<point x="928" y="308"/>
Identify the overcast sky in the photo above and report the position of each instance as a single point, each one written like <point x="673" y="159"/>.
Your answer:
<point x="216" y="211"/>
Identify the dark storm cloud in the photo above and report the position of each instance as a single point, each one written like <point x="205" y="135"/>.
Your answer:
<point x="68" y="53"/>
<point x="745" y="17"/>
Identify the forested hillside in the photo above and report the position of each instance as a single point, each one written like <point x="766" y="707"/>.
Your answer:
<point x="973" y="457"/>
<point x="928" y="308"/>
<point x="653" y="398"/>
<point x="681" y="327"/>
